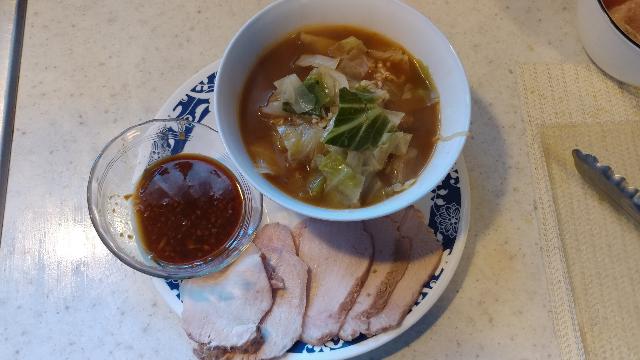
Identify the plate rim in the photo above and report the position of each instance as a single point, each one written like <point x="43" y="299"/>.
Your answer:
<point x="451" y="261"/>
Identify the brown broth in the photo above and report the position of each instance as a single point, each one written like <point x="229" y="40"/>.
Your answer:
<point x="626" y="15"/>
<point x="610" y="4"/>
<point x="278" y="62"/>
<point x="187" y="208"/>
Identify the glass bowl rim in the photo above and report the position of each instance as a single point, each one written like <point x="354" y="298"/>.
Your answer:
<point x="147" y="270"/>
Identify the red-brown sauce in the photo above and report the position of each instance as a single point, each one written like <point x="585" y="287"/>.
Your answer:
<point x="187" y="208"/>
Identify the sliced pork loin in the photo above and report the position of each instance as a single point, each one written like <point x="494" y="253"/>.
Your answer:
<point x="275" y="236"/>
<point x="426" y="253"/>
<point x="221" y="311"/>
<point x="339" y="255"/>
<point x="282" y="326"/>
<point x="390" y="260"/>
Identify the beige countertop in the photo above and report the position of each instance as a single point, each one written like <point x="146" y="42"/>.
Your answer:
<point x="92" y="68"/>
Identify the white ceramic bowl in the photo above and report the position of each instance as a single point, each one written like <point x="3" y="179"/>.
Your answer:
<point x="607" y="45"/>
<point x="392" y="18"/>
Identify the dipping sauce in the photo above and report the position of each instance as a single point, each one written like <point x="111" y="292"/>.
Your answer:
<point x="187" y="208"/>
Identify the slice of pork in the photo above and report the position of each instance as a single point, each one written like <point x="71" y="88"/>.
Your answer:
<point x="278" y="237"/>
<point x="339" y="255"/>
<point x="222" y="311"/>
<point x="282" y="326"/>
<point x="275" y="236"/>
<point x="390" y="260"/>
<point x="426" y="253"/>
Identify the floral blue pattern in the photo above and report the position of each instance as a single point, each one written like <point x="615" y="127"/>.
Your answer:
<point x="447" y="219"/>
<point x="194" y="106"/>
<point x="443" y="220"/>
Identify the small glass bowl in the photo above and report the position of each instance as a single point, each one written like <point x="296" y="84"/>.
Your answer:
<point x="115" y="174"/>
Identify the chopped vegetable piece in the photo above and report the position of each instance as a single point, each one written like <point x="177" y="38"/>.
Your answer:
<point x="291" y="91"/>
<point x="358" y="131"/>
<point x="342" y="183"/>
<point x="315" y="43"/>
<point x="347" y="46"/>
<point x="371" y="161"/>
<point x="338" y="150"/>
<point x="395" y="117"/>
<point x="392" y="55"/>
<point x="339" y="80"/>
<point x="426" y="76"/>
<point x="396" y="167"/>
<point x="372" y="131"/>
<point x="398" y="187"/>
<point x="304" y="100"/>
<point x="315" y="184"/>
<point x="288" y="108"/>
<point x="353" y="57"/>
<point x="398" y="142"/>
<point x="334" y="80"/>
<point x="275" y="108"/>
<point x="265" y="159"/>
<point x="318" y="87"/>
<point x="317" y="61"/>
<point x="359" y="123"/>
<point x="373" y="191"/>
<point x="300" y="141"/>
<point x="370" y="93"/>
<point x="355" y="66"/>
<point x="263" y="168"/>
<point x="379" y="95"/>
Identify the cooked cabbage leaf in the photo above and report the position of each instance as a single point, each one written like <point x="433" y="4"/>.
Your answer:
<point x="316" y="85"/>
<point x="317" y="61"/>
<point x="353" y="57"/>
<point x="315" y="184"/>
<point x="343" y="184"/>
<point x="371" y="161"/>
<point x="359" y="124"/>
<point x="266" y="160"/>
<point x="395" y="117"/>
<point x="294" y="95"/>
<point x="428" y="80"/>
<point x="300" y="141"/>
<point x="315" y="43"/>
<point x="369" y="88"/>
<point x="398" y="187"/>
<point x="392" y="55"/>
<point x="319" y="90"/>
<point x="332" y="79"/>
<point x="396" y="142"/>
<point x="274" y="107"/>
<point x="347" y="46"/>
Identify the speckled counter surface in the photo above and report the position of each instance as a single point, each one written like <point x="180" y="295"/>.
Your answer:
<point x="92" y="68"/>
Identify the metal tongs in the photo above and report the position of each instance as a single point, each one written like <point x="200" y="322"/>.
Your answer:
<point x="604" y="180"/>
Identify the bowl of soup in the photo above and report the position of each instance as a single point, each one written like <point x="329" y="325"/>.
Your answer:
<point x="342" y="110"/>
<point x="610" y="33"/>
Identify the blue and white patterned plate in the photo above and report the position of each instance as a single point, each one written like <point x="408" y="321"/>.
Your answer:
<point x="447" y="207"/>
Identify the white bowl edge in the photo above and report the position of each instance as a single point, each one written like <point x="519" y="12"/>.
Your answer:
<point x="416" y="33"/>
<point x="605" y="44"/>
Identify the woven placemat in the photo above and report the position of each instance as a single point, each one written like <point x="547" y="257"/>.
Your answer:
<point x="591" y="250"/>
